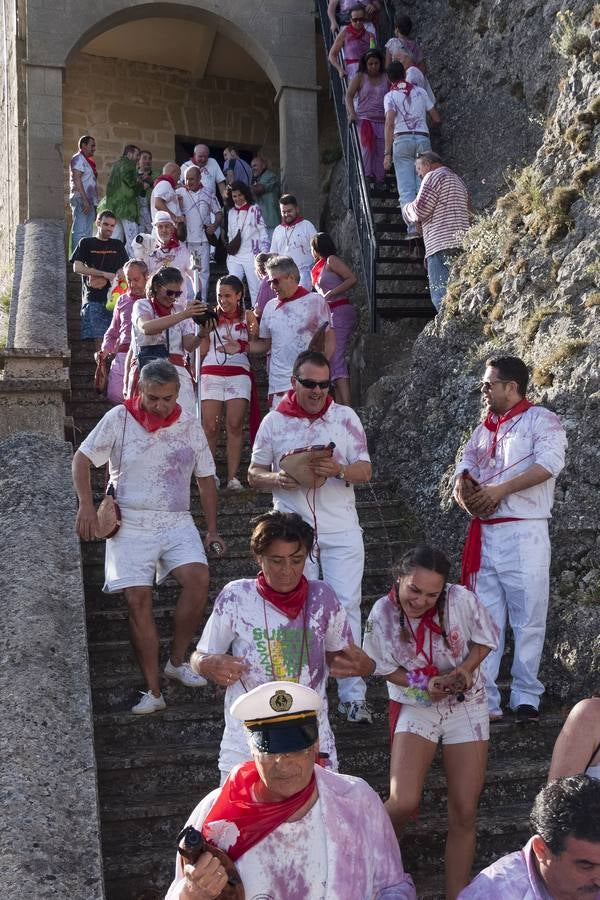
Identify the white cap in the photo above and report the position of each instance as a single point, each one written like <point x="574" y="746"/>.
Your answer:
<point x="275" y="700"/>
<point x="161" y="216"/>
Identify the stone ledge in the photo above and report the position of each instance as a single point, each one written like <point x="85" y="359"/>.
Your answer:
<point x="49" y="832"/>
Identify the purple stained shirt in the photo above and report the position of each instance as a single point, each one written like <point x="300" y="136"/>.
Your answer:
<point x="119" y="330"/>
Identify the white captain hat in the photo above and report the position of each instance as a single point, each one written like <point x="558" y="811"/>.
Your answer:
<point x="280" y="715"/>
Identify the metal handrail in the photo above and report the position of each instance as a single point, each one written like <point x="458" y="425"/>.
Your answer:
<point x="357" y="184"/>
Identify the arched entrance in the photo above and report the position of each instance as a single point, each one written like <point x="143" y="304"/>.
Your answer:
<point x="102" y="71"/>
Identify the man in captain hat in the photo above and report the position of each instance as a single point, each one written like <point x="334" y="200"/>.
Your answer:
<point x="295" y="830"/>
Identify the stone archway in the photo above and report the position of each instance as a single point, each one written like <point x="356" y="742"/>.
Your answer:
<point x="278" y="35"/>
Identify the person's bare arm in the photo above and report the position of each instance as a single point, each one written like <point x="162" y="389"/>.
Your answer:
<point x="222" y="668"/>
<point x="81" y="268"/>
<point x="160" y="204"/>
<point x="390" y="121"/>
<point x="355" y="83"/>
<point x="222" y="186"/>
<point x="263" y="479"/>
<point x="577" y="741"/>
<point x="78" y="182"/>
<point x="259" y="345"/>
<point x="331" y="11"/>
<point x="350" y="662"/>
<point x="434" y="115"/>
<point x="158" y="325"/>
<point x="334" y="53"/>
<point x="190" y="342"/>
<point x="86" y="522"/>
<point x="339" y="267"/>
<point x="354" y="473"/>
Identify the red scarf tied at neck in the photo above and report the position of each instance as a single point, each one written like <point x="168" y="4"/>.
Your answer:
<point x="290" y="604"/>
<point x="92" y="164"/>
<point x="298" y="293"/>
<point x="426" y="623"/>
<point x="172" y="243"/>
<point x="148" y="420"/>
<point x="289" y="406"/>
<point x="243" y="208"/>
<point x="160" y="310"/>
<point x="166" y="178"/>
<point x="253" y="820"/>
<point x="296" y="221"/>
<point x="493" y="424"/>
<point x="355" y="32"/>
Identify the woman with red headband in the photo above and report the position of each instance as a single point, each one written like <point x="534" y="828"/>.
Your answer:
<point x="278" y="625"/>
<point x="427" y="638"/>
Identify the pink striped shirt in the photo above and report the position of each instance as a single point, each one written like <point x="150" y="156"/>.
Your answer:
<point x="442" y="208"/>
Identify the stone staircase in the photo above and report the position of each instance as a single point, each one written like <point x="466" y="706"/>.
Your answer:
<point x="152" y="770"/>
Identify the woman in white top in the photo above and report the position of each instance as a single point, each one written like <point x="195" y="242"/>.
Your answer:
<point x="245" y="218"/>
<point x="226" y="381"/>
<point x="162" y="328"/>
<point x="577" y="748"/>
<point x="406" y="131"/>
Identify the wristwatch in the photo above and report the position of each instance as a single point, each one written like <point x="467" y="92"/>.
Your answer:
<point x="341" y="475"/>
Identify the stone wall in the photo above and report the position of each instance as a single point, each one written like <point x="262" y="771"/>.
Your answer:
<point x="120" y="102"/>
<point x="49" y="834"/>
<point x="12" y="158"/>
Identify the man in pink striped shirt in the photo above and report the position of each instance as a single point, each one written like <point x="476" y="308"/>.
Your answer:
<point x="442" y="209"/>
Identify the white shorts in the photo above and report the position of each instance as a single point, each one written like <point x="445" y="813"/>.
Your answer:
<point x="225" y="387"/>
<point x="453" y="722"/>
<point x="148" y="546"/>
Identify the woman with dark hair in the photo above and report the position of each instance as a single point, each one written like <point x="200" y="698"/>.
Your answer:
<point x="364" y="104"/>
<point x="276" y="626"/>
<point x="427" y="638"/>
<point x="407" y="108"/>
<point x="332" y="278"/>
<point x="226" y="381"/>
<point x="246" y="235"/>
<point x="162" y="328"/>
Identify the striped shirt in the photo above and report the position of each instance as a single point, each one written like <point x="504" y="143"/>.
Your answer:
<point x="442" y="208"/>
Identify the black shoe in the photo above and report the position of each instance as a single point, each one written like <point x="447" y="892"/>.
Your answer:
<point x="526" y="713"/>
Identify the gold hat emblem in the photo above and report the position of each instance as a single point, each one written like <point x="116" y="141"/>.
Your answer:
<point x="281" y="701"/>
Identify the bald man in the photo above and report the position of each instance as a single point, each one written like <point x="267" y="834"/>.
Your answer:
<point x="211" y="174"/>
<point x="164" y="197"/>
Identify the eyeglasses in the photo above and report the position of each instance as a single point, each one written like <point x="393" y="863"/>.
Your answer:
<point x="310" y="383"/>
<point x="175" y="294"/>
<point x="488" y="385"/>
<point x="275" y="281"/>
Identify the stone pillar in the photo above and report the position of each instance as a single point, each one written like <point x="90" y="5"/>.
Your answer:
<point x="45" y="188"/>
<point x="299" y="148"/>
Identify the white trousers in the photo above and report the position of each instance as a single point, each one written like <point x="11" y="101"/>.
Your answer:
<point x="513" y="583"/>
<point x="243" y="264"/>
<point x="202" y="248"/>
<point x="342" y="558"/>
<point x="126" y="230"/>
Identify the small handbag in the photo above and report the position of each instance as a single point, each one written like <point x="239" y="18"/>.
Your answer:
<point x="109" y="513"/>
<point x="317" y="341"/>
<point x="234" y="244"/>
<point x="181" y="231"/>
<point x="103" y="363"/>
<point x="296" y="464"/>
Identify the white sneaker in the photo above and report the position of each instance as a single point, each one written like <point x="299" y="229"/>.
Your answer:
<point x="356" y="712"/>
<point x="217" y="482"/>
<point x="185" y="674"/>
<point x="148" y="704"/>
<point x="234" y="484"/>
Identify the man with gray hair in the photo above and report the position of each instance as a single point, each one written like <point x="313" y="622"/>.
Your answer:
<point x="442" y="209"/>
<point x="289" y="323"/>
<point x="153" y="448"/>
<point x="211" y="174"/>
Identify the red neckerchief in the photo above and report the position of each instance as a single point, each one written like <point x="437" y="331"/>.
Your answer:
<point x="290" y="604"/>
<point x="172" y="243"/>
<point x="166" y="178"/>
<point x="228" y="317"/>
<point x="355" y="32"/>
<point x="160" y="310"/>
<point x="148" y="420"/>
<point x="293" y="224"/>
<point x="299" y="292"/>
<point x="92" y="164"/>
<point x="289" y="406"/>
<point x="425" y="622"/>
<point x="520" y="407"/>
<point x="254" y="820"/>
<point x="315" y="272"/>
<point x="406" y="88"/>
<point x="243" y="208"/>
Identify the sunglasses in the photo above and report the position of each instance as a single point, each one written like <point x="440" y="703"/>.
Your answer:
<point x="488" y="385"/>
<point x="357" y="21"/>
<point x="175" y="294"/>
<point x="310" y="383"/>
<point x="275" y="281"/>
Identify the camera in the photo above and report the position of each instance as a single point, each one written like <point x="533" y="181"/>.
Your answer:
<point x="209" y="315"/>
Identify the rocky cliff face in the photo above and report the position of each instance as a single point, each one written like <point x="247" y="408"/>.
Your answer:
<point x="527" y="285"/>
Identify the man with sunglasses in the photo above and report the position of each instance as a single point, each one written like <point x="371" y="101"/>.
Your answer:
<point x="288" y="324"/>
<point x="505" y="482"/>
<point x="306" y="417"/>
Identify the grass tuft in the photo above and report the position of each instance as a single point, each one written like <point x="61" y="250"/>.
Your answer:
<point x="543" y="374"/>
<point x="535" y="319"/>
